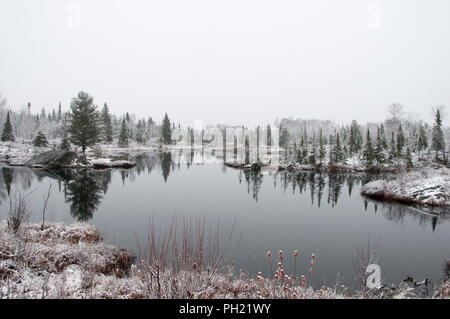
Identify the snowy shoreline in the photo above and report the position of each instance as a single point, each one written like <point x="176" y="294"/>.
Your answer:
<point x="430" y="187"/>
<point x="70" y="261"/>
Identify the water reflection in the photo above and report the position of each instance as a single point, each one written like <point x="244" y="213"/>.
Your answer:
<point x="84" y="190"/>
<point x="84" y="193"/>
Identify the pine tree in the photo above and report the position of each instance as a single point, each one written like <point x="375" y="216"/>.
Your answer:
<point x="383" y="137"/>
<point x="368" y="150"/>
<point x="400" y="141"/>
<point x="393" y="151"/>
<point x="40" y="140"/>
<point x="166" y="130"/>
<point x="409" y="162"/>
<point x="59" y="112"/>
<point x="437" y="139"/>
<point x="123" y="136"/>
<point x="355" y="141"/>
<point x="422" y="143"/>
<point x="379" y="149"/>
<point x="322" y="151"/>
<point x="84" y="119"/>
<point x="284" y="136"/>
<point x="7" y="130"/>
<point x="337" y="152"/>
<point x="65" y="143"/>
<point x="107" y="129"/>
<point x="140" y="136"/>
<point x="269" y="137"/>
<point x="312" y="155"/>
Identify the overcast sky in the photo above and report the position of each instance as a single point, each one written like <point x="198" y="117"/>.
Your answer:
<point x="229" y="61"/>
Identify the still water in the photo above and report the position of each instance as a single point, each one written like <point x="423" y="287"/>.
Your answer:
<point x="312" y="213"/>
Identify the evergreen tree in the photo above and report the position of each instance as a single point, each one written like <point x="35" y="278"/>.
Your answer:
<point x="40" y="140"/>
<point x="393" y="151"/>
<point x="312" y="155"/>
<point x="437" y="139"/>
<point x="368" y="150"/>
<point x="355" y="141"/>
<point x="269" y="137"/>
<point x="65" y="143"/>
<point x="300" y="156"/>
<point x="7" y="130"/>
<point x="400" y="141"/>
<point x="140" y="132"/>
<point x="59" y="112"/>
<point x="422" y="143"/>
<point x="107" y="129"/>
<point x="409" y="162"/>
<point x="84" y="129"/>
<point x="123" y="136"/>
<point x="337" y="152"/>
<point x="379" y="149"/>
<point x="383" y="137"/>
<point x="284" y="136"/>
<point x="166" y="130"/>
<point x="322" y="151"/>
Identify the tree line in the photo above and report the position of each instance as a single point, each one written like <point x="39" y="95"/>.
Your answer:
<point x="84" y="125"/>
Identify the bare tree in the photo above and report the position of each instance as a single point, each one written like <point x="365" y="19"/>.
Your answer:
<point x="46" y="199"/>
<point x="396" y="110"/>
<point x="18" y="210"/>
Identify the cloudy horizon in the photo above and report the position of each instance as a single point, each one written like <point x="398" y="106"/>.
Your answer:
<point x="234" y="62"/>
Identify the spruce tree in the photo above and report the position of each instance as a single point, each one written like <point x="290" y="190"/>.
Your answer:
<point x="322" y="151"/>
<point x="269" y="137"/>
<point x="409" y="162"/>
<point x="368" y="150"/>
<point x="166" y="130"/>
<point x="123" y="136"/>
<point x="379" y="149"/>
<point x="422" y="143"/>
<point x="40" y="140"/>
<point x="107" y="129"/>
<point x="284" y="136"/>
<point x="437" y="139"/>
<point x="84" y="119"/>
<point x="337" y="152"/>
<point x="393" y="151"/>
<point x="59" y="112"/>
<point x="65" y="143"/>
<point x="7" y="130"/>
<point x="383" y="137"/>
<point x="400" y="141"/>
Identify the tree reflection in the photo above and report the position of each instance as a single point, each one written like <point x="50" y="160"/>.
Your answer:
<point x="400" y="213"/>
<point x="84" y="195"/>
<point x="7" y="173"/>
<point x="166" y="164"/>
<point x="254" y="181"/>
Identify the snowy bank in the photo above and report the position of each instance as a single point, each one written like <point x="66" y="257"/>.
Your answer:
<point x="70" y="261"/>
<point x="424" y="187"/>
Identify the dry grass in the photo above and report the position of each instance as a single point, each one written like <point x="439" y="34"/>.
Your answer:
<point x="70" y="261"/>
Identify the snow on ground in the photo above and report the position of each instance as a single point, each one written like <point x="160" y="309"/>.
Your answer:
<point x="427" y="186"/>
<point x="70" y="261"/>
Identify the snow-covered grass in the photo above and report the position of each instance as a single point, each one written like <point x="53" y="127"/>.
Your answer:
<point x="70" y="261"/>
<point x="428" y="186"/>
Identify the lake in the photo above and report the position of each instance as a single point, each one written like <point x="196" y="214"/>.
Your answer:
<point x="309" y="212"/>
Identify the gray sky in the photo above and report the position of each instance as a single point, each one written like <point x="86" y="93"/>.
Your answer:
<point x="233" y="61"/>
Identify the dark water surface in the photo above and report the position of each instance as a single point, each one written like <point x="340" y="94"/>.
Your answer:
<point x="313" y="213"/>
